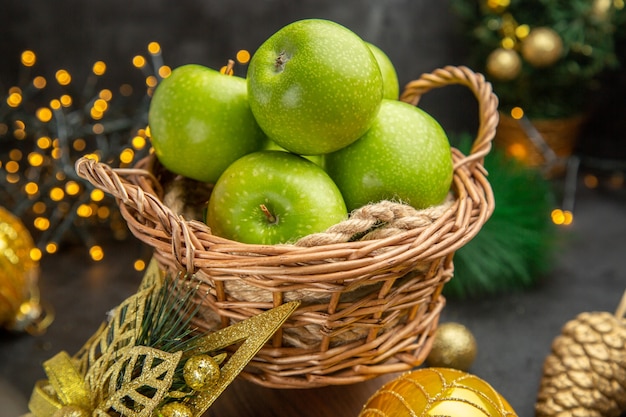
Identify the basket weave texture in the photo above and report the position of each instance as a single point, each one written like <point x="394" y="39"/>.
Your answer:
<point x="370" y="286"/>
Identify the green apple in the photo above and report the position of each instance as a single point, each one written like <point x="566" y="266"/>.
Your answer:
<point x="271" y="197"/>
<point x="200" y="122"/>
<point x="270" y="145"/>
<point x="314" y="86"/>
<point x="391" y="86"/>
<point x="404" y="156"/>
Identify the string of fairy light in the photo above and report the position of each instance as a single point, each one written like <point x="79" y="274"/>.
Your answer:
<point x="41" y="137"/>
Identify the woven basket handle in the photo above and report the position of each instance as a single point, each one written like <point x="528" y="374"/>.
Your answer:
<point x="482" y="90"/>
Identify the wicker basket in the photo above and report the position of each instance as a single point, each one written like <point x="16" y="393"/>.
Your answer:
<point x="369" y="306"/>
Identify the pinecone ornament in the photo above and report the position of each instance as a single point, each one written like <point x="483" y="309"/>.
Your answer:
<point x="585" y="374"/>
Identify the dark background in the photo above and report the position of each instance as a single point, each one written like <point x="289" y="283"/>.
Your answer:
<point x="513" y="331"/>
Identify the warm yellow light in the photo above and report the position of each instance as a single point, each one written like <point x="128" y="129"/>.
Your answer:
<point x="522" y="31"/>
<point x="106" y="94"/>
<point x="93" y="156"/>
<point x="44" y="114"/>
<point x="568" y="217"/>
<point x="96" y="114"/>
<point x="103" y="212"/>
<point x="19" y="134"/>
<point x="96" y="253"/>
<point x="14" y="99"/>
<point x="63" y="77"/>
<point x="154" y="48"/>
<point x="517" y="113"/>
<point x="98" y="128"/>
<point x="139" y="61"/>
<point x="44" y="142"/>
<point x="562" y="217"/>
<point x="12" y="167"/>
<point x="84" y="210"/>
<point x="243" y="56"/>
<point x="51" y="247"/>
<point x="55" y="104"/>
<point x="39" y="82"/>
<point x="97" y="194"/>
<point x="72" y="187"/>
<point x="28" y="58"/>
<point x="79" y="144"/>
<point x="35" y="159"/>
<point x="590" y="181"/>
<point x="139" y="265"/>
<point x="41" y="223"/>
<point x="517" y="150"/>
<point x="66" y="100"/>
<point x="165" y="71"/>
<point x="13" y="178"/>
<point x="31" y="188"/>
<point x="126" y="90"/>
<point x="100" y="105"/>
<point x="39" y="207"/>
<point x="99" y="68"/>
<point x="138" y="142"/>
<point x="15" y="155"/>
<point x="127" y="155"/>
<point x="35" y="254"/>
<point x="56" y="153"/>
<point x="226" y="69"/>
<point x="508" y="43"/>
<point x="151" y="81"/>
<point x="147" y="132"/>
<point x="57" y="194"/>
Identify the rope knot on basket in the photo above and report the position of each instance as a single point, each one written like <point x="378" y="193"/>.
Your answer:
<point x="370" y="286"/>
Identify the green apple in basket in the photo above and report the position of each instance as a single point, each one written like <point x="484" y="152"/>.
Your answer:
<point x="270" y="197"/>
<point x="314" y="86"/>
<point x="405" y="156"/>
<point x="200" y="122"/>
<point x="391" y="85"/>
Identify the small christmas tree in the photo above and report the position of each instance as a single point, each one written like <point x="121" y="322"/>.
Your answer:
<point x="543" y="56"/>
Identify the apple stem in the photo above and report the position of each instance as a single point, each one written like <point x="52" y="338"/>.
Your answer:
<point x="270" y="217"/>
<point x="230" y="67"/>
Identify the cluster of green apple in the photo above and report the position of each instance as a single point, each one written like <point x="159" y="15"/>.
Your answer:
<point x="314" y="131"/>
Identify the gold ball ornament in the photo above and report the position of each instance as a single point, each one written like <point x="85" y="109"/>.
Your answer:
<point x="201" y="372"/>
<point x="542" y="47"/>
<point x="437" y="392"/>
<point x="454" y="346"/>
<point x="19" y="306"/>
<point x="504" y="64"/>
<point x="175" y="409"/>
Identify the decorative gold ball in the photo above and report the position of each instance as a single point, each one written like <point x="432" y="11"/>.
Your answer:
<point x="175" y="409"/>
<point x="454" y="346"/>
<point x="18" y="271"/>
<point x="542" y="47"/>
<point x="201" y="372"/>
<point x="437" y="392"/>
<point x="71" y="411"/>
<point x="504" y="64"/>
<point x="600" y="9"/>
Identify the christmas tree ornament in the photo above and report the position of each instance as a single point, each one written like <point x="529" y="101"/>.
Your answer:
<point x="542" y="47"/>
<point x="600" y="9"/>
<point x="454" y="346"/>
<point x="504" y="64"/>
<point x="146" y="360"/>
<point x="437" y="392"/>
<point x="585" y="373"/>
<point x="20" y="309"/>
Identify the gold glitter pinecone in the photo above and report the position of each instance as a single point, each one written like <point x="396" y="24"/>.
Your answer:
<point x="585" y="374"/>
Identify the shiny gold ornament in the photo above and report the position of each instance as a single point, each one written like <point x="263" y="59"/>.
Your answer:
<point x="19" y="299"/>
<point x="201" y="372"/>
<point x="585" y="374"/>
<point x="542" y="47"/>
<point x="600" y="9"/>
<point x="504" y="64"/>
<point x="454" y="346"/>
<point x="176" y="409"/>
<point x="71" y="411"/>
<point x="437" y="392"/>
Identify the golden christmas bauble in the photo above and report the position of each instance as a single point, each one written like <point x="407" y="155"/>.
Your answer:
<point x="504" y="64"/>
<point x="437" y="392"/>
<point x="454" y="346"/>
<point x="201" y="372"/>
<point x="175" y="409"/>
<point x="18" y="274"/>
<point x="542" y="47"/>
<point x="71" y="411"/>
<point x="600" y="9"/>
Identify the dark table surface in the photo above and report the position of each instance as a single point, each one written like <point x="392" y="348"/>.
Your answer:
<point x="513" y="331"/>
